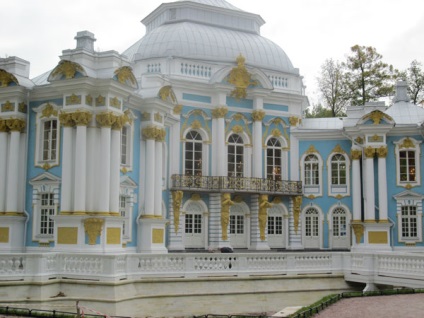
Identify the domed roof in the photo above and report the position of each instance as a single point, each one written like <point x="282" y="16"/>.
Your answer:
<point x="203" y="42"/>
<point x="210" y="31"/>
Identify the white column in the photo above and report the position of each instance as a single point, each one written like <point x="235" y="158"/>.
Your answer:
<point x="3" y="165"/>
<point x="221" y="164"/>
<point x="15" y="126"/>
<point x="81" y="120"/>
<point x="382" y="184"/>
<point x="258" y="116"/>
<point x="104" y="177"/>
<point x="158" y="177"/>
<point x="67" y="164"/>
<point x="149" y="205"/>
<point x="115" y="166"/>
<point x="356" y="184"/>
<point x="369" y="184"/>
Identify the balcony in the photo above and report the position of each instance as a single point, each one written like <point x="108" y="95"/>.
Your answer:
<point x="236" y="184"/>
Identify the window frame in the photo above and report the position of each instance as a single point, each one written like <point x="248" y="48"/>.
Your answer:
<point x="239" y="150"/>
<point x="409" y="198"/>
<point x="205" y="150"/>
<point x="338" y="190"/>
<point x="312" y="189"/>
<point x="408" y="144"/>
<point x="283" y="157"/>
<point x="129" y="153"/>
<point x="45" y="113"/>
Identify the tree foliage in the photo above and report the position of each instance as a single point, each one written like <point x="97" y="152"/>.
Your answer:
<point x="319" y="111"/>
<point x="414" y="76"/>
<point x="367" y="77"/>
<point x="333" y="88"/>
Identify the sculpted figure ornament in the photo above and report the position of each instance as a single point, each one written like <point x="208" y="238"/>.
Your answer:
<point x="297" y="203"/>
<point x="241" y="79"/>
<point x="263" y="215"/>
<point x="226" y="203"/>
<point x="177" y="199"/>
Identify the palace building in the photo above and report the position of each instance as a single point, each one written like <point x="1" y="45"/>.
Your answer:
<point x="194" y="139"/>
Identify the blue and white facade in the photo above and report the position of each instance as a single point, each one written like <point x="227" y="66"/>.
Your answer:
<point x="194" y="138"/>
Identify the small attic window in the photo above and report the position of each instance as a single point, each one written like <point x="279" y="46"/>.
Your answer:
<point x="172" y="14"/>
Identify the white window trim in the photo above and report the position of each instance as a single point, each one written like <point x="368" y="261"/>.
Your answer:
<point x="42" y="184"/>
<point x="330" y="222"/>
<point x="130" y="142"/>
<point x="332" y="190"/>
<point x="409" y="198"/>
<point x="320" y="224"/>
<point x="41" y="117"/>
<point x="127" y="190"/>
<point x="247" y="153"/>
<point x="314" y="190"/>
<point x="284" y="157"/>
<point x="402" y="145"/>
<point x="205" y="149"/>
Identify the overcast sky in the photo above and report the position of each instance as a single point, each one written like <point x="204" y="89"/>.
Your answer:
<point x="309" y="31"/>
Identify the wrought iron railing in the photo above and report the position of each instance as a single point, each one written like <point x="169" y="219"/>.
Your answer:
<point x="237" y="184"/>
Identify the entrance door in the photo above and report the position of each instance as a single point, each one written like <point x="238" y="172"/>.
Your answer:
<point x="311" y="228"/>
<point x="275" y="230"/>
<point x="238" y="236"/>
<point x="194" y="228"/>
<point x="340" y="235"/>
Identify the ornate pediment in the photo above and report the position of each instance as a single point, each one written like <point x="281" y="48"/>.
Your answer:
<point x="376" y="117"/>
<point x="66" y="70"/>
<point x="408" y="194"/>
<point x="45" y="178"/>
<point x="125" y="75"/>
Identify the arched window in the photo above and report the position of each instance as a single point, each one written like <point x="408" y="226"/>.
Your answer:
<point x="338" y="170"/>
<point x="235" y="156"/>
<point x="339" y="223"/>
<point x="49" y="142"/>
<point x="273" y="159"/>
<point x="408" y="153"/>
<point x="311" y="223"/>
<point x="311" y="168"/>
<point x="193" y="154"/>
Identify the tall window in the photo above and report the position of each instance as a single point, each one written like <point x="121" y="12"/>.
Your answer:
<point x="409" y="222"/>
<point x="193" y="154"/>
<point x="273" y="160"/>
<point x="235" y="156"/>
<point x="338" y="170"/>
<point x="49" y="142"/>
<point x="339" y="222"/>
<point x="124" y="145"/>
<point x="311" y="165"/>
<point x="47" y="210"/>
<point x="311" y="223"/>
<point x="123" y="212"/>
<point x="275" y="225"/>
<point x="236" y="224"/>
<point x="407" y="171"/>
<point x="193" y="223"/>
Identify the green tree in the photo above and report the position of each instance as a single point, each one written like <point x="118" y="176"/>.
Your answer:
<point x="333" y="87"/>
<point x="367" y="76"/>
<point x="414" y="76"/>
<point x="319" y="111"/>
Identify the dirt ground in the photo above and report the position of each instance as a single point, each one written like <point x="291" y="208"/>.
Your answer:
<point x="404" y="306"/>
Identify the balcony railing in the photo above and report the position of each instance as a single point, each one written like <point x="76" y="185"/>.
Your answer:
<point x="236" y="184"/>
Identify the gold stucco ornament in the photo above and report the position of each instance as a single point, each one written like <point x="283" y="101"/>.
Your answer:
<point x="6" y="78"/>
<point x="241" y="79"/>
<point x="226" y="203"/>
<point x="358" y="229"/>
<point x="263" y="214"/>
<point x="93" y="228"/>
<point x="125" y="74"/>
<point x="297" y="202"/>
<point x="177" y="198"/>
<point x="67" y="69"/>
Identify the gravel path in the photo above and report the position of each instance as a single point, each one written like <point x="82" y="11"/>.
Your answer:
<point x="404" y="306"/>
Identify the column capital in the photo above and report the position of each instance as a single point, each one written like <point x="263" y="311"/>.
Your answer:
<point x="294" y="120"/>
<point x="356" y="154"/>
<point x="258" y="115"/>
<point x="155" y="133"/>
<point x="369" y="152"/>
<point x="382" y="152"/>
<point x="15" y="124"/>
<point x="106" y="119"/>
<point x="66" y="119"/>
<point x="3" y="126"/>
<point x="81" y="118"/>
<point x="220" y="112"/>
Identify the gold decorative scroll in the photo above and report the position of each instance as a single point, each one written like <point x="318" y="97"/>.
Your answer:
<point x="67" y="68"/>
<point x="15" y="124"/>
<point x="93" y="228"/>
<point x="382" y="152"/>
<point x="219" y="112"/>
<point x="241" y="79"/>
<point x="369" y="152"/>
<point x="258" y="115"/>
<point x="125" y="74"/>
<point x="356" y="154"/>
<point x="106" y="119"/>
<point x="6" y="78"/>
<point x="358" y="229"/>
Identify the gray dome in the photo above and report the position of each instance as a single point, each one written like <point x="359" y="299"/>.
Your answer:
<point x="209" y="43"/>
<point x="215" y="3"/>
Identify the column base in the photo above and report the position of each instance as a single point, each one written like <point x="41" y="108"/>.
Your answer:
<point x="12" y="233"/>
<point x="88" y="233"/>
<point x="151" y="235"/>
<point x="376" y="237"/>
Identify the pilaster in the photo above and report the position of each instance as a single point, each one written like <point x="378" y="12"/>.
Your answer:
<point x="258" y="116"/>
